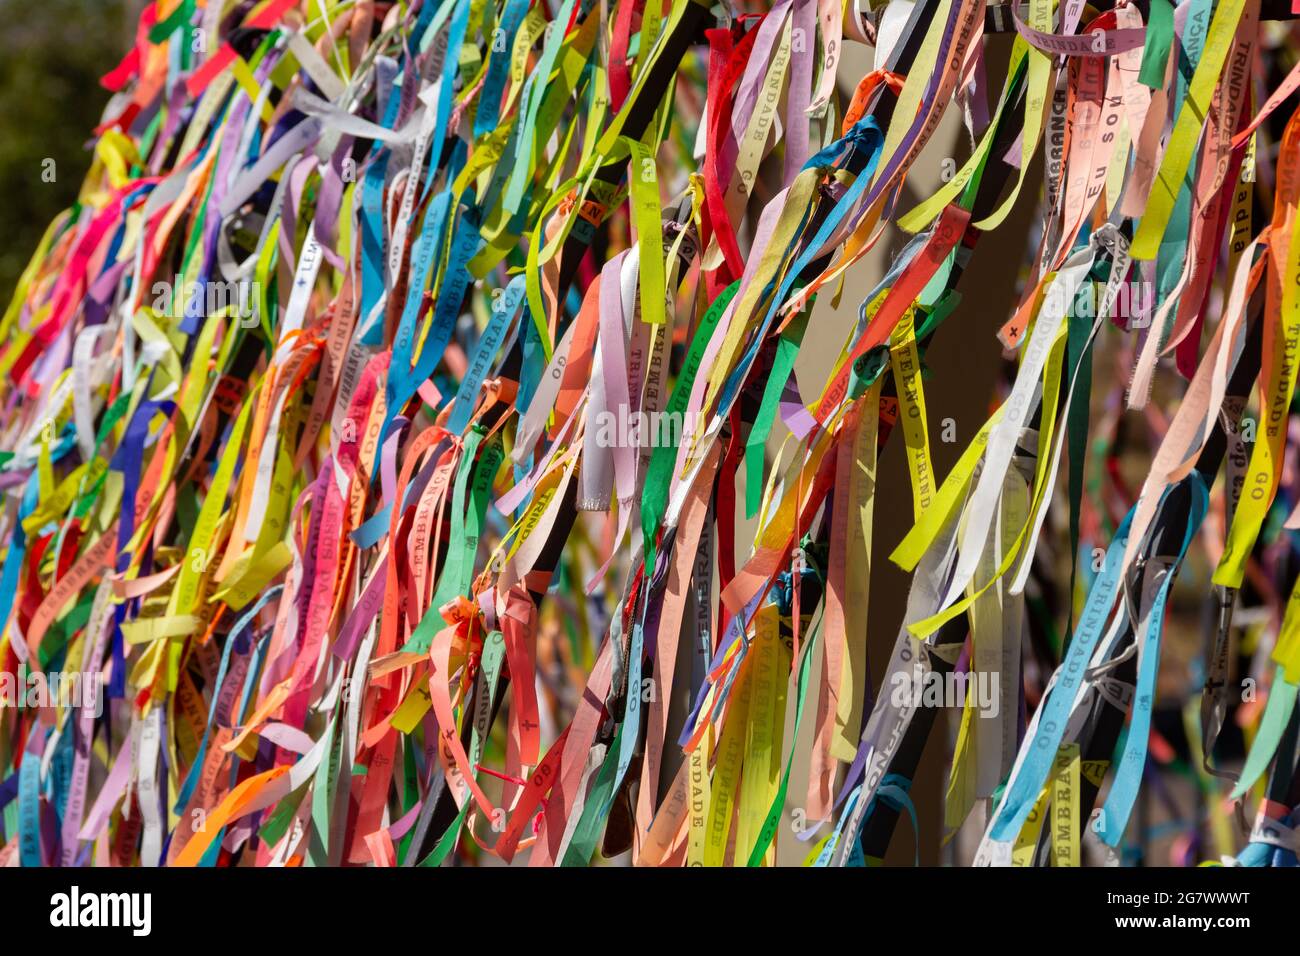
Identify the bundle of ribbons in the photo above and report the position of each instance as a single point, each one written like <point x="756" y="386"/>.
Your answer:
<point x="405" y="464"/>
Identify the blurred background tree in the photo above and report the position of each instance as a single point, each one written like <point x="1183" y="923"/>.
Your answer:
<point x="52" y="54"/>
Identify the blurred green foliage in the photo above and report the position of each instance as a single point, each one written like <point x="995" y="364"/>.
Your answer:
<point x="52" y="54"/>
